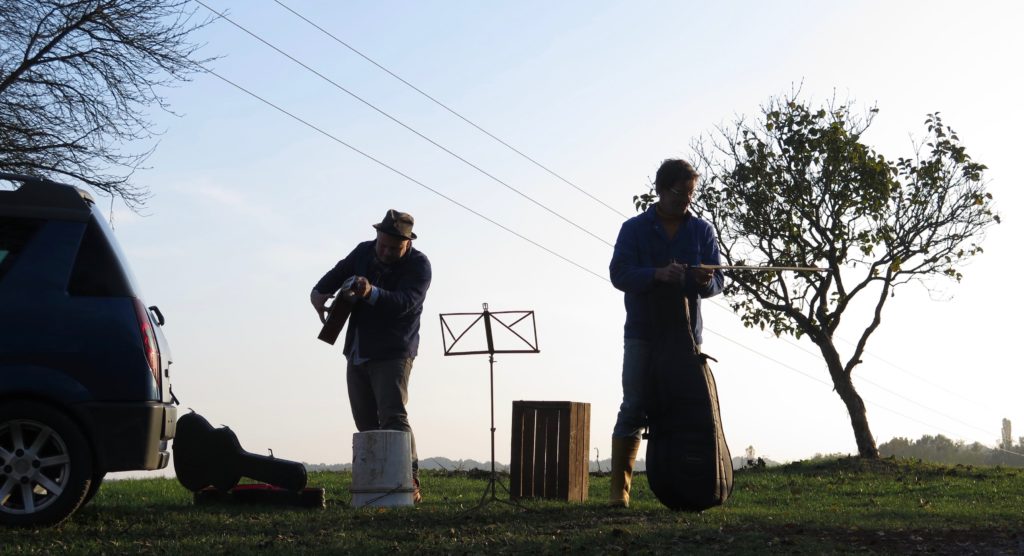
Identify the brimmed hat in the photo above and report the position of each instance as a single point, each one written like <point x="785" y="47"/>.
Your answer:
<point x="397" y="224"/>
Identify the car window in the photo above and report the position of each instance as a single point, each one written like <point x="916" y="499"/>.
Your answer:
<point x="97" y="270"/>
<point x="14" y="235"/>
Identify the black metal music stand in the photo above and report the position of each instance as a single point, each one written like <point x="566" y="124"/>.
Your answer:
<point x="531" y="347"/>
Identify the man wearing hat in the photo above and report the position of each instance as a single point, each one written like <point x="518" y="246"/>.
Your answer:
<point x="385" y="280"/>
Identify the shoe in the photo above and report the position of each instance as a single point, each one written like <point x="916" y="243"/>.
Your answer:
<point x="416" y="496"/>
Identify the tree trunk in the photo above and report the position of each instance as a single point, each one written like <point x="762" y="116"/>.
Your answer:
<point x="843" y="384"/>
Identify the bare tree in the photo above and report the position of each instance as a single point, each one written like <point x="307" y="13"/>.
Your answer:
<point x="797" y="186"/>
<point x="77" y="78"/>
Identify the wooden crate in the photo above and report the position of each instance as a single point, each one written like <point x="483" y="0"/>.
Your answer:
<point x="550" y="448"/>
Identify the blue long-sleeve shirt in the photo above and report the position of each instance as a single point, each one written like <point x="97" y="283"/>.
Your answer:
<point x="642" y="247"/>
<point x="389" y="327"/>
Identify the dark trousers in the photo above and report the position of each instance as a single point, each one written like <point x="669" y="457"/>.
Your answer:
<point x="636" y="359"/>
<point x="378" y="392"/>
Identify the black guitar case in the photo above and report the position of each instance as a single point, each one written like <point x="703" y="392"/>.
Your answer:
<point x="688" y="462"/>
<point x="209" y="457"/>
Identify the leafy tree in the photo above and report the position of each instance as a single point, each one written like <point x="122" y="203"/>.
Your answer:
<point x="76" y="80"/>
<point x="798" y="186"/>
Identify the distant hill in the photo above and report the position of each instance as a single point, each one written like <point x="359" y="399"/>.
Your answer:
<point x="438" y="463"/>
<point x="605" y="466"/>
<point x="441" y="463"/>
<point x="445" y="464"/>
<point x="327" y="466"/>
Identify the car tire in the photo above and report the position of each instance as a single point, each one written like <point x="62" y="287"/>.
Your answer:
<point x="47" y="464"/>
<point x="94" y="487"/>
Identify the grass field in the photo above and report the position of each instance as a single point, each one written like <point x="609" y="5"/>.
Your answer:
<point x="833" y="506"/>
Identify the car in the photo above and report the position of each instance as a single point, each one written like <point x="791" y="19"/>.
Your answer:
<point x="84" y="365"/>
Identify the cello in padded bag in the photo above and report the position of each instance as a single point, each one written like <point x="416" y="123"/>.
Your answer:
<point x="688" y="462"/>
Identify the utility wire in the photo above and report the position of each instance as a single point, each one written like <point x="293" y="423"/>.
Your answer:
<point x="385" y="165"/>
<point x="880" y="387"/>
<point x="442" y="195"/>
<point x="449" y="109"/>
<point x="548" y="170"/>
<point x="367" y="103"/>
<point x="869" y="402"/>
<point x="776" y="361"/>
<point x="403" y="124"/>
<point x="867" y="352"/>
<point x="399" y="172"/>
<point x="517" y="234"/>
<point x="918" y="377"/>
<point x="862" y="379"/>
<point x="935" y="411"/>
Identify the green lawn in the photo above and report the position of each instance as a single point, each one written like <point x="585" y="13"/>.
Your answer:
<point x="837" y="506"/>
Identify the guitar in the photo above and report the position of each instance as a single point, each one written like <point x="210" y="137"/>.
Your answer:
<point x="336" y="317"/>
<point x="338" y="313"/>
<point x="205" y="456"/>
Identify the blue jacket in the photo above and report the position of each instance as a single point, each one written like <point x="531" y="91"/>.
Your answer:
<point x="642" y="247"/>
<point x="390" y="328"/>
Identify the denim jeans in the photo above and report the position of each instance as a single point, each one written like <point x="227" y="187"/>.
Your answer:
<point x="378" y="392"/>
<point x="636" y="358"/>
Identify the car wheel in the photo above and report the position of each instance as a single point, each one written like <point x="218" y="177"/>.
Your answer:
<point x="94" y="487"/>
<point x="46" y="465"/>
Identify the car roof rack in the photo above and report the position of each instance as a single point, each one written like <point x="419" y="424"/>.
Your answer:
<point x="42" y="198"/>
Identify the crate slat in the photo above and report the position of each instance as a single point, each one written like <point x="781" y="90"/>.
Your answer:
<point x="550" y="449"/>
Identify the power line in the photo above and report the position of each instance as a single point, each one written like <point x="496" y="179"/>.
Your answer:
<point x="776" y="361"/>
<point x="548" y="170"/>
<point x="894" y="393"/>
<point x="860" y="377"/>
<point x="442" y="195"/>
<point x="918" y="377"/>
<point x="310" y="125"/>
<point x="399" y="172"/>
<point x="869" y="402"/>
<point x="367" y="103"/>
<point x="449" y="109"/>
<point x="545" y="168"/>
<point x="406" y="126"/>
<point x="935" y="411"/>
<point x="520" y="236"/>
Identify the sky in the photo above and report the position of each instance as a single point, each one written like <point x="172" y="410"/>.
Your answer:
<point x="251" y="207"/>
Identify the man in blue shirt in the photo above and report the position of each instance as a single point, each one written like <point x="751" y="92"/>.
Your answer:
<point x="385" y="280"/>
<point x="666" y="243"/>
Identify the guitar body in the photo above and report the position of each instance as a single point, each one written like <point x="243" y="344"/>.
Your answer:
<point x="689" y="466"/>
<point x="336" y="318"/>
<point x="205" y="457"/>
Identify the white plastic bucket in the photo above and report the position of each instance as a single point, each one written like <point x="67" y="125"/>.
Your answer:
<point x="381" y="469"/>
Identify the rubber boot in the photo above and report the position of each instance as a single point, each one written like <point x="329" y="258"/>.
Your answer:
<point x="417" y="497"/>
<point x="624" y="451"/>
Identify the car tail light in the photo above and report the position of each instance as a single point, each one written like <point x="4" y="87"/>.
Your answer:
<point x="149" y="342"/>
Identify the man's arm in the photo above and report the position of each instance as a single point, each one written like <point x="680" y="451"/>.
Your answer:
<point x="407" y="296"/>
<point x="626" y="273"/>
<point x="715" y="281"/>
<point x="326" y="287"/>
